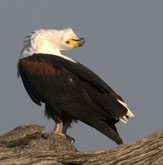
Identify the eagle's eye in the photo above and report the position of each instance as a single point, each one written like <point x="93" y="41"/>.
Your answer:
<point x="67" y="42"/>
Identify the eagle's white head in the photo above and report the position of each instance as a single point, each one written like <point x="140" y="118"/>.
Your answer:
<point x="50" y="41"/>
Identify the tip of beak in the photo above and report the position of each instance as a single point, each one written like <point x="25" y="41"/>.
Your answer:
<point x="81" y="42"/>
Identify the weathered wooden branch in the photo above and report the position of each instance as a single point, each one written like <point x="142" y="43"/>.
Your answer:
<point x="27" y="145"/>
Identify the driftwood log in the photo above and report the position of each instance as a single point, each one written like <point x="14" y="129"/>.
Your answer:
<point x="27" y="145"/>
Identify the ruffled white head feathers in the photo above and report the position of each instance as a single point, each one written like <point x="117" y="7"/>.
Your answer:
<point x="50" y="42"/>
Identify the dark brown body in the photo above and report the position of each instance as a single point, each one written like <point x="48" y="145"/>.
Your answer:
<point x="70" y="91"/>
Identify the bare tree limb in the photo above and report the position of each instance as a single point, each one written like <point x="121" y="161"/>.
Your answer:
<point x="26" y="145"/>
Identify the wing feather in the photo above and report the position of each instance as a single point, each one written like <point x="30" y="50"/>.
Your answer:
<point x="73" y="89"/>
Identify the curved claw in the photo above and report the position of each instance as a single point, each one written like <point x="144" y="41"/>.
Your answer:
<point x="71" y="139"/>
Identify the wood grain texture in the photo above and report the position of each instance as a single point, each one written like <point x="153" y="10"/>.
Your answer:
<point x="26" y="145"/>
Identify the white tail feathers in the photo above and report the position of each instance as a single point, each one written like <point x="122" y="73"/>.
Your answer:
<point x="123" y="119"/>
<point x="129" y="114"/>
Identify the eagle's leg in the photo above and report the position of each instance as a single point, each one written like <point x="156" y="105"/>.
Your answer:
<point x="57" y="130"/>
<point x="65" y="127"/>
<point x="67" y="124"/>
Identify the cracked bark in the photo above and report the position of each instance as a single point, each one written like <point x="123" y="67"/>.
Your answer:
<point x="26" y="145"/>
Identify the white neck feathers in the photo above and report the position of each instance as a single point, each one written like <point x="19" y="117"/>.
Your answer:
<point x="47" y="42"/>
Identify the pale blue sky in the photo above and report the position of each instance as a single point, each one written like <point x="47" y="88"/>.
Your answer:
<point x="124" y="46"/>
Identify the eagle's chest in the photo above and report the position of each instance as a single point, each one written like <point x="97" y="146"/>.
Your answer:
<point x="41" y="67"/>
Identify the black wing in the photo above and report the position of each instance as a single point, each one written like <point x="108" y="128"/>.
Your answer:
<point x="73" y="89"/>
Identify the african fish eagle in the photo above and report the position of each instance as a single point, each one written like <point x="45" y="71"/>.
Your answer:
<point x="69" y="90"/>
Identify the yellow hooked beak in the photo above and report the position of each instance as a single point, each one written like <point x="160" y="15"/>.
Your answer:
<point x="76" y="42"/>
